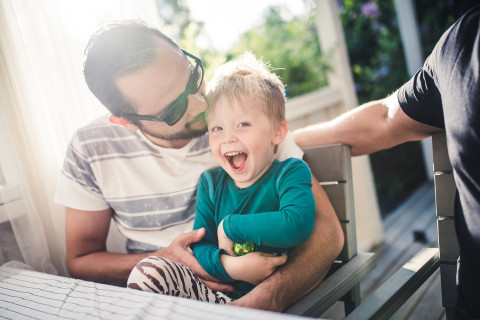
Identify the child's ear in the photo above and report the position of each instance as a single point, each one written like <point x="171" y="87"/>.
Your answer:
<point x="280" y="132"/>
<point x="120" y="121"/>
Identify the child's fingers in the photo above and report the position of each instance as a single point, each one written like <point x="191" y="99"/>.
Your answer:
<point x="276" y="259"/>
<point x="282" y="259"/>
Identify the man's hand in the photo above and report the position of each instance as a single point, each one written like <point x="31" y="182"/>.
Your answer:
<point x="179" y="251"/>
<point x="223" y="241"/>
<point x="253" y="267"/>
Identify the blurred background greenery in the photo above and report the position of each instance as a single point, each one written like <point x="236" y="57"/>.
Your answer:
<point x="376" y="56"/>
<point x="379" y="68"/>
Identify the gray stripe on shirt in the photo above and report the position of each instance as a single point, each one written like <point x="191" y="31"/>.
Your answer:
<point x="157" y="221"/>
<point x="157" y="203"/>
<point x="76" y="168"/>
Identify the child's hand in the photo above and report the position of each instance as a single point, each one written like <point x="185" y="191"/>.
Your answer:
<point x="253" y="267"/>
<point x="223" y="241"/>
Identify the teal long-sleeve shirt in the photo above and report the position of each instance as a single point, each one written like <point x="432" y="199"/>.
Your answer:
<point x="276" y="213"/>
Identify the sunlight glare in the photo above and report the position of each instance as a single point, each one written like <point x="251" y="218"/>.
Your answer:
<point x="84" y="17"/>
<point x="225" y="20"/>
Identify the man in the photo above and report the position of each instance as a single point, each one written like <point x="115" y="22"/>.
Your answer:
<point x="443" y="95"/>
<point x="146" y="177"/>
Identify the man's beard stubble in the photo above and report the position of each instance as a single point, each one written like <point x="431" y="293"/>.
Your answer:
<point x="187" y="134"/>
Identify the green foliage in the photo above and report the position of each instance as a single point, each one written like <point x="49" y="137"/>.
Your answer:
<point x="291" y="46"/>
<point x="378" y="67"/>
<point x="175" y="18"/>
<point x="374" y="46"/>
<point x="374" y="42"/>
<point x="180" y="26"/>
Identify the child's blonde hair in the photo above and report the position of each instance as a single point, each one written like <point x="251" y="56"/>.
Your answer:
<point x="247" y="77"/>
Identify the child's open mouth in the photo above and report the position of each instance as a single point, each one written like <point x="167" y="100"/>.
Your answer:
<point x="236" y="159"/>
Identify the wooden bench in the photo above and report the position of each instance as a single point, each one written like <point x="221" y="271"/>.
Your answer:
<point x="445" y="191"/>
<point x="331" y="165"/>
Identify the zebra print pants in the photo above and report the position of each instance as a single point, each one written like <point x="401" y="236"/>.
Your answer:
<point x="160" y="275"/>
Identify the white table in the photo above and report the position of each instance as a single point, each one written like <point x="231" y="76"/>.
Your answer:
<point x="26" y="294"/>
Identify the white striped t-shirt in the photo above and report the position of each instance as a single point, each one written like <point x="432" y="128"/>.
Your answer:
<point x="152" y="190"/>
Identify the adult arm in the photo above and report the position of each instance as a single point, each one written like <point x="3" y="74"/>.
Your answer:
<point x="371" y="127"/>
<point x="307" y="264"/>
<point x="87" y="256"/>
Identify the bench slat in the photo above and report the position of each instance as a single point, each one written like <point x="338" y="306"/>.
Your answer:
<point x="447" y="241"/>
<point x="445" y="190"/>
<point x="441" y="160"/>
<point x="390" y="296"/>
<point x="448" y="274"/>
<point x="336" y="193"/>
<point x="328" y="163"/>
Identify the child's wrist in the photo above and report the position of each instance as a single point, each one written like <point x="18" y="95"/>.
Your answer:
<point x="228" y="263"/>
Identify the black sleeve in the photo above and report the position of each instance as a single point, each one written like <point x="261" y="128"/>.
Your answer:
<point x="420" y="98"/>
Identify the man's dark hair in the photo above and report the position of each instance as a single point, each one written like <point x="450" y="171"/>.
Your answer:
<point x="115" y="50"/>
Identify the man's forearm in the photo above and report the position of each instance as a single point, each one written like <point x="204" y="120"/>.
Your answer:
<point x="356" y="128"/>
<point x="95" y="264"/>
<point x="105" y="267"/>
<point x="371" y="127"/>
<point x="85" y="238"/>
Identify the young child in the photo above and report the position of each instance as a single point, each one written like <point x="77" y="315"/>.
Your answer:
<point x="253" y="199"/>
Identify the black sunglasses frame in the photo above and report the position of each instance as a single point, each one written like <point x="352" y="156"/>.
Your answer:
<point x="180" y="102"/>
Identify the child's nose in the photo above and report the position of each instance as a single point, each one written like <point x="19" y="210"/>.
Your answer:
<point x="229" y="137"/>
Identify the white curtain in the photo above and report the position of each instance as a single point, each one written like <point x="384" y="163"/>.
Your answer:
<point x="43" y="99"/>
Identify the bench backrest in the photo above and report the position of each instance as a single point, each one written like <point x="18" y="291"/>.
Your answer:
<point x="331" y="165"/>
<point x="445" y="190"/>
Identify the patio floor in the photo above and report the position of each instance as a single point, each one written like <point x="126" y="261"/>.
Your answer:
<point x="408" y="229"/>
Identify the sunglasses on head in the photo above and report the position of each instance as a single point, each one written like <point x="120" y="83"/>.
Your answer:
<point x="178" y="107"/>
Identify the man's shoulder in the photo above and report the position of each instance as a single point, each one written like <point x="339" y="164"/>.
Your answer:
<point x="101" y="128"/>
<point x="101" y="139"/>
<point x="98" y="121"/>
<point x="455" y="49"/>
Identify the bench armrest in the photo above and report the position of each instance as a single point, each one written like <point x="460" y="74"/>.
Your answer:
<point x="394" y="292"/>
<point x="334" y="286"/>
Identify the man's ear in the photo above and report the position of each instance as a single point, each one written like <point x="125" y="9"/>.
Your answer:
<point x="280" y="133"/>
<point x="120" y="121"/>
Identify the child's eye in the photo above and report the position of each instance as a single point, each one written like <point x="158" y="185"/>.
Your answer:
<point x="243" y="124"/>
<point x="216" y="129"/>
